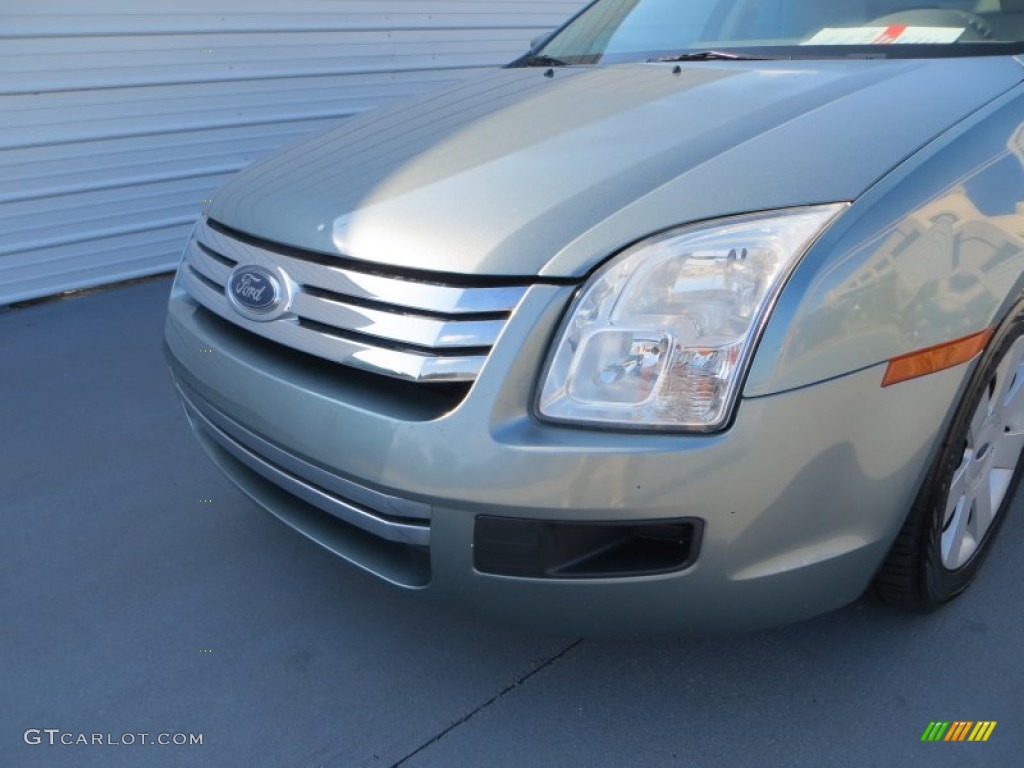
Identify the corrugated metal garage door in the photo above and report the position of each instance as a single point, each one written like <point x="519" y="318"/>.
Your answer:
<point x="118" y="117"/>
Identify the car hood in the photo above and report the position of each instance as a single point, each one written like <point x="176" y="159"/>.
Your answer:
<point x="531" y="172"/>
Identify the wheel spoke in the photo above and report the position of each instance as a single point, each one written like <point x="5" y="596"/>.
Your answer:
<point x="1009" y="378"/>
<point x="955" y="548"/>
<point x="1012" y="416"/>
<point x="984" y="509"/>
<point x="957" y="490"/>
<point x="975" y="432"/>
<point x="1011" y="404"/>
<point x="1008" y="447"/>
<point x="998" y="484"/>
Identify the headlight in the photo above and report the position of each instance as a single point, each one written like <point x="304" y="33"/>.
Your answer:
<point x="661" y="336"/>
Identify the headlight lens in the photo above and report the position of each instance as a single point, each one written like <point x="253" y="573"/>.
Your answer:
<point x="661" y="335"/>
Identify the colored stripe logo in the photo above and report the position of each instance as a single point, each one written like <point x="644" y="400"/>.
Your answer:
<point x="959" y="730"/>
<point x="890" y="34"/>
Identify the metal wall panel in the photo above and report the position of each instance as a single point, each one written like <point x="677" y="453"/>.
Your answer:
<point x="119" y="117"/>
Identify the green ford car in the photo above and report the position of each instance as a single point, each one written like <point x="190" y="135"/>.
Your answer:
<point x="703" y="315"/>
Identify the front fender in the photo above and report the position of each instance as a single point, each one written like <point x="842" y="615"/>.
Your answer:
<point x="932" y="253"/>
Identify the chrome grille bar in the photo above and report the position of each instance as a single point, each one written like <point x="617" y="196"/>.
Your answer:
<point x="424" y="332"/>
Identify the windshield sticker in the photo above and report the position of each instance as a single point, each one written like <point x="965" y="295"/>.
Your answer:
<point x="899" y="33"/>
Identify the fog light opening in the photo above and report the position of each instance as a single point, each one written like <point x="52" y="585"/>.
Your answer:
<point x="537" y="549"/>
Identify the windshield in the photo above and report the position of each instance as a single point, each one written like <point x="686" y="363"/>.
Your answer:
<point x="635" y="30"/>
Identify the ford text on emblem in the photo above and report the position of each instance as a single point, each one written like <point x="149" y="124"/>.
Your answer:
<point x="254" y="290"/>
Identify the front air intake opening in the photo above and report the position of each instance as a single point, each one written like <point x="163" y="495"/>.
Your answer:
<point x="539" y="549"/>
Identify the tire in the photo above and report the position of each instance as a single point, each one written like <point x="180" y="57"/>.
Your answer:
<point x="963" y="502"/>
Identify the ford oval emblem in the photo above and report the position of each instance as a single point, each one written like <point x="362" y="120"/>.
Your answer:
<point x="254" y="289"/>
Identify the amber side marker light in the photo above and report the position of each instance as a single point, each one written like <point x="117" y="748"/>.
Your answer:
<point x="935" y="359"/>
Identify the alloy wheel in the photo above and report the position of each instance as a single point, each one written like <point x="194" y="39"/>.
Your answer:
<point x="991" y="453"/>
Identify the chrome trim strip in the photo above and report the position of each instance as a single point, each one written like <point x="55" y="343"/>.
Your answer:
<point x="408" y="533"/>
<point x="422" y="331"/>
<point x="397" y="292"/>
<point x="206" y="265"/>
<point x="409" y="366"/>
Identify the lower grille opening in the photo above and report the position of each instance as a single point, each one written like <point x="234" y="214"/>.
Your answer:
<point x="506" y="546"/>
<point x="401" y="564"/>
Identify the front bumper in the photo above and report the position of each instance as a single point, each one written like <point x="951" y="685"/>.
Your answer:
<point x="798" y="501"/>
